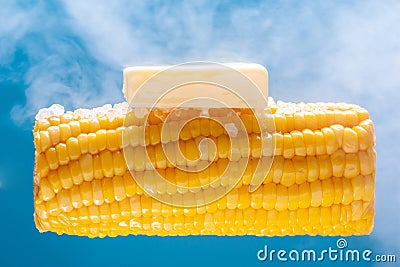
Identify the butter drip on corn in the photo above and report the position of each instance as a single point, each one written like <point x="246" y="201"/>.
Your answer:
<point x="321" y="180"/>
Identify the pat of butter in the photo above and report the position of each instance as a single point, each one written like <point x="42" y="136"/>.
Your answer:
<point x="200" y="84"/>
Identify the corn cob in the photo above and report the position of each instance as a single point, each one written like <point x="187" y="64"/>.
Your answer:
<point x="321" y="180"/>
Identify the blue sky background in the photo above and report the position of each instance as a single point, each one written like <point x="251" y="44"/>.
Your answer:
<point x="73" y="52"/>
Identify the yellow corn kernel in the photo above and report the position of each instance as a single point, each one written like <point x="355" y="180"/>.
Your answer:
<point x="321" y="119"/>
<point x="108" y="190"/>
<point x="75" y="127"/>
<point x="340" y="117"/>
<point x="94" y="214"/>
<point x="119" y="164"/>
<point x="367" y="164"/>
<point x="339" y="133"/>
<point x="86" y="164"/>
<point x="278" y="140"/>
<point x="351" y="118"/>
<point x="107" y="163"/>
<point x="352" y="166"/>
<point x="119" y="188"/>
<point x="103" y="122"/>
<point x="42" y="124"/>
<point x="74" y="150"/>
<point x="54" y="181"/>
<point x="347" y="192"/>
<point x="52" y="207"/>
<point x="204" y="127"/>
<point x="105" y="213"/>
<point x="280" y="122"/>
<point x="195" y="128"/>
<point x="64" y="201"/>
<point x="46" y="191"/>
<point x="330" y="140"/>
<point x="301" y="169"/>
<point x="98" y="198"/>
<point x="363" y="137"/>
<point x="338" y="160"/>
<point x="86" y="193"/>
<point x="350" y="141"/>
<point x="320" y="146"/>
<point x="84" y="125"/>
<point x="313" y="169"/>
<point x="358" y="184"/>
<point x="362" y="114"/>
<point x="314" y="216"/>
<point x="257" y="198"/>
<point x="97" y="168"/>
<point x="369" y="188"/>
<point x="309" y="141"/>
<point x="83" y="215"/>
<point x="316" y="193"/>
<point x="299" y="144"/>
<point x="223" y="146"/>
<point x="260" y="220"/>
<point x="248" y="217"/>
<point x="255" y="145"/>
<point x="62" y="153"/>
<point x="42" y="165"/>
<point x="311" y="120"/>
<point x="293" y="192"/>
<point x="288" y="147"/>
<point x="184" y="134"/>
<point x="216" y="129"/>
<point x="154" y="133"/>
<point x="92" y="143"/>
<point x="277" y="166"/>
<point x="303" y="217"/>
<point x="44" y="141"/>
<point x="290" y="125"/>
<point x="326" y="218"/>
<point x="269" y="196"/>
<point x="51" y="157"/>
<point x="75" y="195"/>
<point x="281" y="198"/>
<point x="327" y="193"/>
<point x="338" y="189"/>
<point x="120" y="137"/>
<point x="54" y="120"/>
<point x="65" y="131"/>
<point x="112" y="141"/>
<point x="244" y="198"/>
<point x="299" y="121"/>
<point x="289" y="174"/>
<point x="54" y="132"/>
<point x="65" y="177"/>
<point x="76" y="172"/>
<point x="232" y="199"/>
<point x="101" y="139"/>
<point x="325" y="167"/>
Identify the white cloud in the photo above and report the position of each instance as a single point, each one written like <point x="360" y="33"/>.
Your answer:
<point x="125" y="33"/>
<point x="60" y="70"/>
<point x="12" y="28"/>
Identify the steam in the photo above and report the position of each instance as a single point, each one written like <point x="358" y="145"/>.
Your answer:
<point x="316" y="52"/>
